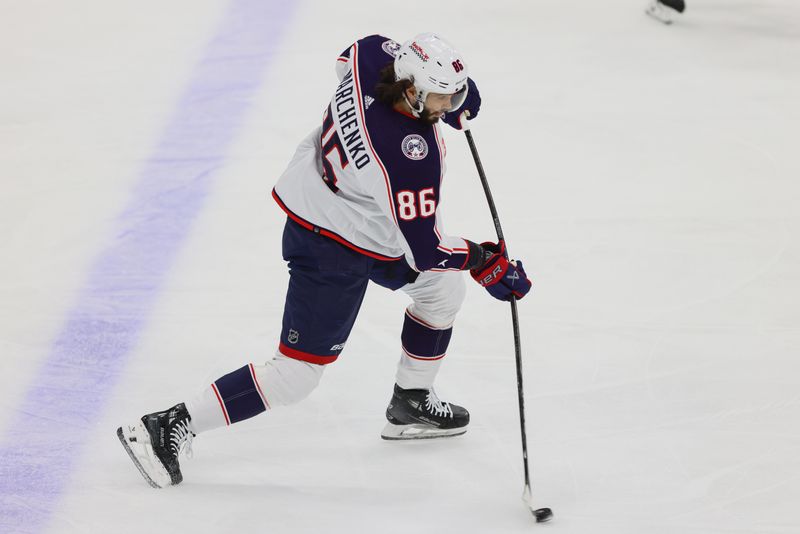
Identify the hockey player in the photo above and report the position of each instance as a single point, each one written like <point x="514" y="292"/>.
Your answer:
<point x="361" y="196"/>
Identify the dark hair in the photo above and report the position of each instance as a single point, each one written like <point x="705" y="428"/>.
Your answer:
<point x="388" y="90"/>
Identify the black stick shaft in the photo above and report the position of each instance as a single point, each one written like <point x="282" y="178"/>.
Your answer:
<point x="485" y="183"/>
<point x="514" y="313"/>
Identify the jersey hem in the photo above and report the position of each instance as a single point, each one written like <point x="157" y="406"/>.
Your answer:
<point x="327" y="233"/>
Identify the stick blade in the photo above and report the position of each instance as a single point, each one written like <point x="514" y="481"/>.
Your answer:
<point x="542" y="515"/>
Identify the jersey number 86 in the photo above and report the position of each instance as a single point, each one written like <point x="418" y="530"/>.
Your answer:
<point x="407" y="207"/>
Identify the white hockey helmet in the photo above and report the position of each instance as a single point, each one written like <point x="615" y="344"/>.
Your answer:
<point x="434" y="66"/>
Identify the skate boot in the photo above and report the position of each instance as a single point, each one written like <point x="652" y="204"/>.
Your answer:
<point x="665" y="10"/>
<point x="155" y="442"/>
<point x="419" y="414"/>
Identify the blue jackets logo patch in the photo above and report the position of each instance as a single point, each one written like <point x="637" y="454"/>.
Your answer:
<point x="415" y="147"/>
<point x="391" y="47"/>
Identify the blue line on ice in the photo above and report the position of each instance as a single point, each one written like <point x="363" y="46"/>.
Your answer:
<point x="48" y="432"/>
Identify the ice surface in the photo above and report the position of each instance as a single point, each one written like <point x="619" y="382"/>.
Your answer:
<point x="647" y="175"/>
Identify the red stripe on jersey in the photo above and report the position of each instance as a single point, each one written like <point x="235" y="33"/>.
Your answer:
<point x="327" y="131"/>
<point x="221" y="404"/>
<point x="451" y="250"/>
<point x="357" y="84"/>
<point x="327" y="233"/>
<point x="306" y="356"/>
<point x="442" y="151"/>
<point x="441" y="178"/>
<point x="401" y="112"/>
<point x="260" y="392"/>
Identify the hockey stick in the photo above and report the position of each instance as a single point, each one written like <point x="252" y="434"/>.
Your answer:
<point x="541" y="514"/>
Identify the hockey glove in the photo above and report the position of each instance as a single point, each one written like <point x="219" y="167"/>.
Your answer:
<point x="499" y="276"/>
<point x="471" y="104"/>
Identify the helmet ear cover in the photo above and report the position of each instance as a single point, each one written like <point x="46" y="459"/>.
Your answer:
<point x="433" y="66"/>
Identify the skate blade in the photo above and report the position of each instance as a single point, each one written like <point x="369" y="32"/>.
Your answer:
<point x="394" y="432"/>
<point x="136" y="441"/>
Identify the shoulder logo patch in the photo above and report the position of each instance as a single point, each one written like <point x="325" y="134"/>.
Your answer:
<point x="391" y="47"/>
<point x="415" y="147"/>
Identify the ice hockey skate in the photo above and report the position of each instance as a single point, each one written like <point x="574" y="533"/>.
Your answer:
<point x="155" y="442"/>
<point x="419" y="414"/>
<point x="665" y="10"/>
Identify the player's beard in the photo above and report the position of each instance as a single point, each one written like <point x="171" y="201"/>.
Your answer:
<point x="426" y="117"/>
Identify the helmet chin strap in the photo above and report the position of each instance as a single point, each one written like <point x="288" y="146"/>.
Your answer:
<point x="415" y="110"/>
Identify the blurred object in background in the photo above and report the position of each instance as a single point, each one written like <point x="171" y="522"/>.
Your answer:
<point x="665" y="10"/>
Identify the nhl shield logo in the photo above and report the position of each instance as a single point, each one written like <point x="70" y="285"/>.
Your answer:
<point x="391" y="47"/>
<point x="293" y="337"/>
<point x="415" y="147"/>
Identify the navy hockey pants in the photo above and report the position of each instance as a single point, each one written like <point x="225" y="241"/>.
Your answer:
<point x="326" y="288"/>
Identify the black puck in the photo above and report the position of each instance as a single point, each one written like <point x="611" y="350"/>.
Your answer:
<point x="542" y="515"/>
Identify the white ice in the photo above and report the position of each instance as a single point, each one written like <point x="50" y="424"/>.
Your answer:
<point x="647" y="175"/>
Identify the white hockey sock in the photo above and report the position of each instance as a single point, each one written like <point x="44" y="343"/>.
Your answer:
<point x="416" y="374"/>
<point x="279" y="382"/>
<point x="288" y="381"/>
<point x="205" y="411"/>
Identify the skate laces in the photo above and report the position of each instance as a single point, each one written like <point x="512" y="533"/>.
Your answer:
<point x="436" y="406"/>
<point x="180" y="439"/>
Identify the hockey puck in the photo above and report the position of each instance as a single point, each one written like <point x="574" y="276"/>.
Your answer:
<point x="542" y="515"/>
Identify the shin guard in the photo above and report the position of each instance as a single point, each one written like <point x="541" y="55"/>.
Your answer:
<point x="424" y="346"/>
<point x="240" y="395"/>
